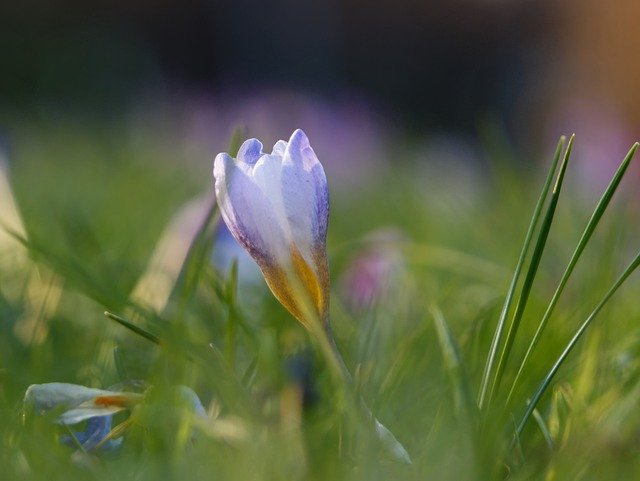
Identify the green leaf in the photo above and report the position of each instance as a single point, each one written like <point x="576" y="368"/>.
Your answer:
<point x="586" y="236"/>
<point x="574" y="340"/>
<point x="534" y="263"/>
<point x="500" y="328"/>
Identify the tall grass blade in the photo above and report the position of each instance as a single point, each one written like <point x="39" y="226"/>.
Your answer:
<point x="574" y="340"/>
<point x="72" y="270"/>
<point x="500" y="328"/>
<point x="534" y="263"/>
<point x="586" y="236"/>
<point x="499" y="332"/>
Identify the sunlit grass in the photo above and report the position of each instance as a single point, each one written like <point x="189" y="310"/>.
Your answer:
<point x="94" y="208"/>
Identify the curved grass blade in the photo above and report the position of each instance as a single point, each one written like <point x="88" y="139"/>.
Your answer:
<point x="497" y="336"/>
<point x="586" y="236"/>
<point x="451" y="356"/>
<point x="544" y="429"/>
<point x="466" y="408"/>
<point x="574" y="340"/>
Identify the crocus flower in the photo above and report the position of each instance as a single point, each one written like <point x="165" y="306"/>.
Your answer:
<point x="77" y="403"/>
<point x="80" y="403"/>
<point x="277" y="207"/>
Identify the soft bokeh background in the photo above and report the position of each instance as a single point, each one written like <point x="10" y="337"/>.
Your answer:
<point x="385" y="69"/>
<point x="434" y="121"/>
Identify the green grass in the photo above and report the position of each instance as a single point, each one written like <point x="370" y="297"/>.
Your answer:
<point x="467" y="399"/>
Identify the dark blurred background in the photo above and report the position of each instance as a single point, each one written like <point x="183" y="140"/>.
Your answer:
<point x="537" y="68"/>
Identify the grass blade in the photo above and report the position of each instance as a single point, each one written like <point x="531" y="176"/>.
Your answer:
<point x="453" y="363"/>
<point x="192" y="268"/>
<point x="586" y="236"/>
<point x="132" y="327"/>
<point x="536" y="256"/>
<point x="485" y="393"/>
<point x="497" y="336"/>
<point x="574" y="340"/>
<point x="232" y="320"/>
<point x="544" y="429"/>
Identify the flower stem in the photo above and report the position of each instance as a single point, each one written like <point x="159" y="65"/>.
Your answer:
<point x="342" y="374"/>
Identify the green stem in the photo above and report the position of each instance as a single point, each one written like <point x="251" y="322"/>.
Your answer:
<point x="341" y="373"/>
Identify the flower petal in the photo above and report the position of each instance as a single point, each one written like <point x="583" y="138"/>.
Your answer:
<point x="53" y="394"/>
<point x="277" y="208"/>
<point x="247" y="211"/>
<point x="279" y="148"/>
<point x="250" y="151"/>
<point x="305" y="192"/>
<point x="306" y="203"/>
<point x="81" y="402"/>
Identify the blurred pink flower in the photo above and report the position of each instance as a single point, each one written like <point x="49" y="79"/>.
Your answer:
<point x="372" y="273"/>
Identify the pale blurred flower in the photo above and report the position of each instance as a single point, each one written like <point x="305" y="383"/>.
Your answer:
<point x="36" y="290"/>
<point x="78" y="402"/>
<point x="156" y="283"/>
<point x="371" y="275"/>
<point x="93" y="435"/>
<point x="154" y="287"/>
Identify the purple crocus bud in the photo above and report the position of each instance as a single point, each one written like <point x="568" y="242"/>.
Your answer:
<point x="277" y="207"/>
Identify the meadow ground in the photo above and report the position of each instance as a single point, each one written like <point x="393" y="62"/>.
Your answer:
<point x="94" y="204"/>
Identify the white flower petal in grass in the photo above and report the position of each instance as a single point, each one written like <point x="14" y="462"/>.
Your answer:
<point x="77" y="403"/>
<point x="277" y="207"/>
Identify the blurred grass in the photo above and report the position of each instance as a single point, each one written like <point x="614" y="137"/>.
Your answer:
<point x="94" y="203"/>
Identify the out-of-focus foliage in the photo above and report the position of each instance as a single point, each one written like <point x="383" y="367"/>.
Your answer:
<point x="94" y="206"/>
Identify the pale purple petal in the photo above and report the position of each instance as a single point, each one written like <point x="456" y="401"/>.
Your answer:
<point x="250" y="151"/>
<point x="279" y="148"/>
<point x="305" y="192"/>
<point x="246" y="210"/>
